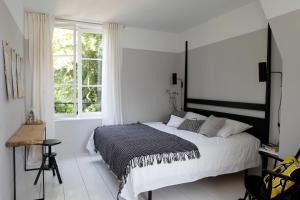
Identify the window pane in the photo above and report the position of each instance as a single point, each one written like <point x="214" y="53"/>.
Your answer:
<point x="63" y="70"/>
<point x="91" y="72"/>
<point x="91" y="98"/>
<point x="91" y="45"/>
<point x="64" y="99"/>
<point x="63" y="43"/>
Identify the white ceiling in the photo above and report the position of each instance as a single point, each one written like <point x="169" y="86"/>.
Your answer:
<point x="162" y="15"/>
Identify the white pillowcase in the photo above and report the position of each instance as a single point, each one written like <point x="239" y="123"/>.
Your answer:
<point x="232" y="127"/>
<point x="175" y="121"/>
<point x="194" y="116"/>
<point x="211" y="126"/>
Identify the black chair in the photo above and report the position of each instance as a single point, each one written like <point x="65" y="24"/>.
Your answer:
<point x="50" y="156"/>
<point x="256" y="188"/>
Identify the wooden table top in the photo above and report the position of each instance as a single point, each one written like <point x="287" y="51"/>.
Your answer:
<point x="28" y="135"/>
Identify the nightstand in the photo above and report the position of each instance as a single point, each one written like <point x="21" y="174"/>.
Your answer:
<point x="264" y="156"/>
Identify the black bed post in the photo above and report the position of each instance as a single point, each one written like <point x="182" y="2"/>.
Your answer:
<point x="268" y="84"/>
<point x="186" y="76"/>
<point x="150" y="195"/>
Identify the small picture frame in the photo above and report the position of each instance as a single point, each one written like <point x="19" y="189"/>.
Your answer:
<point x="7" y="69"/>
<point x="20" y="76"/>
<point x="14" y="73"/>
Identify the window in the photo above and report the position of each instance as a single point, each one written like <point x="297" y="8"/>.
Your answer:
<point x="77" y="60"/>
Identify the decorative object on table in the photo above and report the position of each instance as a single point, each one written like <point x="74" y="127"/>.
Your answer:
<point x="270" y="148"/>
<point x="14" y="73"/>
<point x="30" y="117"/>
<point x="7" y="69"/>
<point x="20" y="76"/>
<point x="31" y="120"/>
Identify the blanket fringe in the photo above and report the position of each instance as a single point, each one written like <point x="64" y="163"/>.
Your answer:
<point x="165" y="158"/>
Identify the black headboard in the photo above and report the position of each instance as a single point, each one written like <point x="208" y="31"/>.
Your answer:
<point x="261" y="126"/>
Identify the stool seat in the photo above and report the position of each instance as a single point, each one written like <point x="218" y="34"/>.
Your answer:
<point x="51" y="142"/>
<point x="52" y="154"/>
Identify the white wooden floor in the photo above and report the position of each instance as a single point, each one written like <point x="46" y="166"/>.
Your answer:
<point x="86" y="177"/>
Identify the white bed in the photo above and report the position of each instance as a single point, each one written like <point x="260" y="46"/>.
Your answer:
<point x="218" y="156"/>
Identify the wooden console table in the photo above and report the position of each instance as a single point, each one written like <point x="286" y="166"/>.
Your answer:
<point x="26" y="135"/>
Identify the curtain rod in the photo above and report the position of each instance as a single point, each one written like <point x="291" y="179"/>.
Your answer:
<point x="77" y="21"/>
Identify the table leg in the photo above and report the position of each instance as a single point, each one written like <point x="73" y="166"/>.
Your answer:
<point x="43" y="184"/>
<point x="43" y="150"/>
<point x="14" y="168"/>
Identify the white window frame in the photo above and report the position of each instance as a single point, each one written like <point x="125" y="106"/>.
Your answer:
<point x="77" y="85"/>
<point x="80" y="85"/>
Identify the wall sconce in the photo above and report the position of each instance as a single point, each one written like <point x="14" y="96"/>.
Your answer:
<point x="175" y="79"/>
<point x="262" y="70"/>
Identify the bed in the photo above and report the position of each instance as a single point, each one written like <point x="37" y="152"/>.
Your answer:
<point x="217" y="155"/>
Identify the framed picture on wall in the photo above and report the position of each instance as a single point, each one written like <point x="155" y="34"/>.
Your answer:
<point x="14" y="73"/>
<point x="7" y="69"/>
<point x="20" y="76"/>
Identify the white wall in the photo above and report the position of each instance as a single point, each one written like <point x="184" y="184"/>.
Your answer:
<point x="286" y="31"/>
<point x="16" y="9"/>
<point x="243" y="20"/>
<point x="12" y="113"/>
<point x="137" y="38"/>
<point x="146" y="77"/>
<point x="274" y="8"/>
<point x="74" y="134"/>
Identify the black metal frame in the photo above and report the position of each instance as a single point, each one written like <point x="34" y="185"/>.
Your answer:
<point x="150" y="195"/>
<point x="261" y="126"/>
<point x="26" y="169"/>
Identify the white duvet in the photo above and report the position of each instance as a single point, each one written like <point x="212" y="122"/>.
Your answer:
<point x="218" y="156"/>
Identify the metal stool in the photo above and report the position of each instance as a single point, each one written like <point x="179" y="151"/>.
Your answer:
<point x="52" y="164"/>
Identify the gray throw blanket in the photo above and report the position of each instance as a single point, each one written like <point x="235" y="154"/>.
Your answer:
<point x="124" y="147"/>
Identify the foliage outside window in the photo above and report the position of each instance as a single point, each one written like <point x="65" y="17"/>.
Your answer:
<point x="77" y="59"/>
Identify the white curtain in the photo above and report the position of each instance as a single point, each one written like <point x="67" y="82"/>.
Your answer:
<point x="40" y="83"/>
<point x="112" y="71"/>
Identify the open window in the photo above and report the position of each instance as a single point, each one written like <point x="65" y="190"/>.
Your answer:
<point x="77" y="61"/>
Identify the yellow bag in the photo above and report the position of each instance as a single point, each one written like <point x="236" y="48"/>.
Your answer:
<point x="286" y="167"/>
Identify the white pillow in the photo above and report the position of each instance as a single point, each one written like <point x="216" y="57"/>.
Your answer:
<point x="175" y="121"/>
<point x="211" y="126"/>
<point x="232" y="127"/>
<point x="194" y="116"/>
